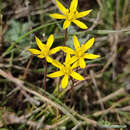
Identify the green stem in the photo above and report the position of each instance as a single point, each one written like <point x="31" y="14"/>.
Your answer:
<point x="72" y="90"/>
<point x="65" y="36"/>
<point x="65" y="39"/>
<point x="45" y="74"/>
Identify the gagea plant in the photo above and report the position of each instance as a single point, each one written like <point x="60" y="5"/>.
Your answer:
<point x="70" y="15"/>
<point x="71" y="58"/>
<point x="66" y="70"/>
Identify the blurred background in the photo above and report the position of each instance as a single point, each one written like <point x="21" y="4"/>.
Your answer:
<point x="101" y="101"/>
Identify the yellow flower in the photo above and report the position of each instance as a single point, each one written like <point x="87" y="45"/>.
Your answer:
<point x="65" y="69"/>
<point x="45" y="50"/>
<point x="71" y="14"/>
<point x="79" y="52"/>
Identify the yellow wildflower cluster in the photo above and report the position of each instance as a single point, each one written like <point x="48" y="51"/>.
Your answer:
<point x="74" y="58"/>
<point x="71" y="14"/>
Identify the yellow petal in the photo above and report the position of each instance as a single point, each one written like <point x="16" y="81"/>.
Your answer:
<point x="77" y="76"/>
<point x="39" y="43"/>
<point x="76" y="42"/>
<point x="70" y="60"/>
<point x="34" y="51"/>
<point x="73" y="59"/>
<point x="57" y="16"/>
<point x="54" y="50"/>
<point x="88" y="44"/>
<point x="82" y="14"/>
<point x="57" y="63"/>
<point x="75" y="65"/>
<point x="67" y="59"/>
<point x="91" y="56"/>
<point x="64" y="81"/>
<point x="67" y="50"/>
<point x="40" y="56"/>
<point x="61" y="7"/>
<point x="73" y="5"/>
<point x="55" y="74"/>
<point x="50" y="41"/>
<point x="49" y="59"/>
<point x="80" y="24"/>
<point x="82" y="63"/>
<point x="66" y="24"/>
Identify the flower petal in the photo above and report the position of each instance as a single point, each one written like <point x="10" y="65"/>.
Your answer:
<point x="73" y="5"/>
<point x="80" y="24"/>
<point x="66" y="24"/>
<point x="91" y="56"/>
<point x="76" y="42"/>
<point x="54" y="50"/>
<point x="50" y="41"/>
<point x="67" y="50"/>
<point x="64" y="81"/>
<point x="57" y="64"/>
<point x="70" y="60"/>
<point x="41" y="56"/>
<point x="75" y="65"/>
<point x="88" y="44"/>
<point x="67" y="59"/>
<point x="82" y="63"/>
<point x="77" y="76"/>
<point x="61" y="7"/>
<point x="39" y="43"/>
<point x="49" y="59"/>
<point x="73" y="59"/>
<point x="55" y="74"/>
<point x="57" y="16"/>
<point x="34" y="51"/>
<point x="82" y="14"/>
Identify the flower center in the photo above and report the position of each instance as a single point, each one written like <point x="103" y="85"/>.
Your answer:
<point x="66" y="70"/>
<point x="45" y="52"/>
<point x="79" y="53"/>
<point x="71" y="15"/>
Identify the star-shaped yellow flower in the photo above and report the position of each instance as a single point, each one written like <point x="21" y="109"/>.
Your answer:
<point x="45" y="50"/>
<point x="71" y="14"/>
<point x="65" y="69"/>
<point x="79" y="52"/>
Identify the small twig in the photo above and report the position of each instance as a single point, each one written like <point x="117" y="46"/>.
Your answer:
<point x="111" y="96"/>
<point x="77" y="126"/>
<point x="97" y="90"/>
<point x="111" y="110"/>
<point x="11" y="118"/>
<point x="14" y="66"/>
<point x="40" y="124"/>
<point x="125" y="7"/>
<point x="95" y="22"/>
<point x="57" y="124"/>
<point x="67" y="112"/>
<point x="27" y="67"/>
<point x="88" y="121"/>
<point x="42" y="98"/>
<point x="100" y="4"/>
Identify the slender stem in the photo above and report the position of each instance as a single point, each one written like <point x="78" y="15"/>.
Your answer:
<point x="45" y="74"/>
<point x="65" y="39"/>
<point x="65" y="36"/>
<point x="1" y="29"/>
<point x="72" y="90"/>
